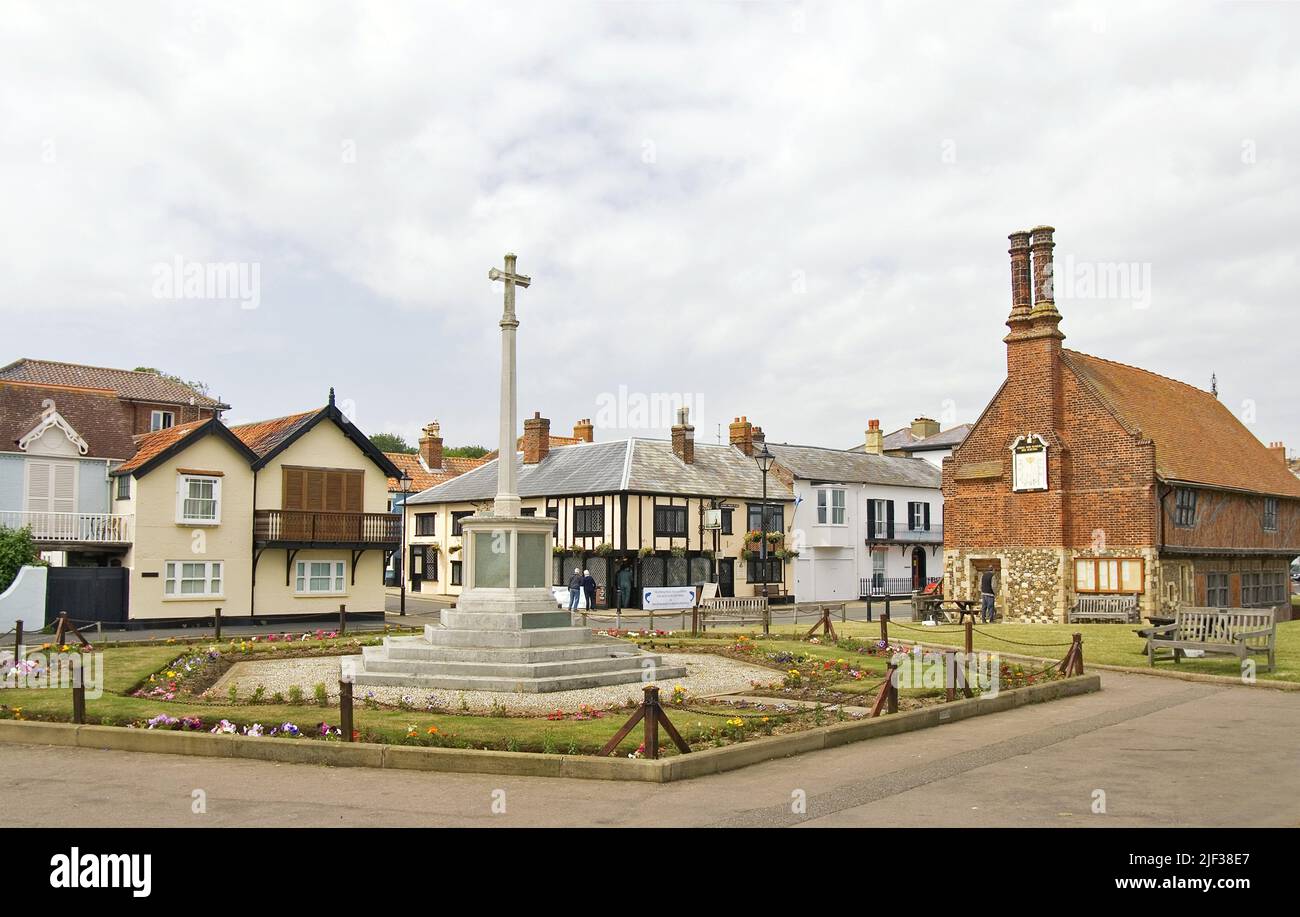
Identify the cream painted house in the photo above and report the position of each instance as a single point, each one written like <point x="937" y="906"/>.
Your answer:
<point x="276" y="519"/>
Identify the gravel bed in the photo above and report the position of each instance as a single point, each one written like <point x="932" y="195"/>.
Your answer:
<point x="706" y="674"/>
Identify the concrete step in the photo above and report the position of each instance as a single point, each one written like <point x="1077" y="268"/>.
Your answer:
<point x="551" y="636"/>
<point x="520" y="685"/>
<point x="425" y="653"/>
<point x="514" y="670"/>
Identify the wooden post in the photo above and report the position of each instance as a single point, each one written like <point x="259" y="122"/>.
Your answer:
<point x="1078" y="654"/>
<point x="651" y="720"/>
<point x="345" y="709"/>
<point x="58" y="630"/>
<point x="884" y="629"/>
<point x="868" y="604"/>
<point x="216" y="624"/>
<point x="695" y="616"/>
<point x="343" y="619"/>
<point x="767" y="617"/>
<point x="78" y="698"/>
<point x="950" y="677"/>
<point x="885" y="690"/>
<point x="886" y="602"/>
<point x="970" y="635"/>
<point x="892" y="705"/>
<point x="18" y="641"/>
<point x="844" y="612"/>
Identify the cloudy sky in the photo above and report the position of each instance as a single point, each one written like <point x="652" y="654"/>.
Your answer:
<point x="794" y="211"/>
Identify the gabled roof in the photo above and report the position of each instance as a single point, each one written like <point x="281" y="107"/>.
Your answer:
<point x="96" y="415"/>
<point x="635" y="465"/>
<point x="815" y="463"/>
<point x="268" y="438"/>
<point x="127" y="383"/>
<point x="1197" y="439"/>
<point x="423" y="478"/>
<point x="904" y="440"/>
<point x="152" y="449"/>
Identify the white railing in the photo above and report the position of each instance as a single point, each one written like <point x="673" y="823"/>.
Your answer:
<point x="72" y="528"/>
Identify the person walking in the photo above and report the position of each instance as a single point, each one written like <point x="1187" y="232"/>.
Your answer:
<point x="589" y="589"/>
<point x="987" y="610"/>
<point x="575" y="587"/>
<point x="624" y="579"/>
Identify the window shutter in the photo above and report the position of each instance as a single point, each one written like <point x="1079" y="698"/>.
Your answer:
<point x="926" y="514"/>
<point x="334" y="483"/>
<point x="64" y="489"/>
<point x="889" y="519"/>
<point x="38" y="487"/>
<point x="871" y="519"/>
<point x="354" y="492"/>
<point x="911" y="516"/>
<point x="315" y="490"/>
<point x="294" y="495"/>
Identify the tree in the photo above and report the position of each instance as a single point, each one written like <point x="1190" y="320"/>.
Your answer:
<point x="465" y="452"/>
<point x="391" y="442"/>
<point x="200" y="387"/>
<point x="17" y="550"/>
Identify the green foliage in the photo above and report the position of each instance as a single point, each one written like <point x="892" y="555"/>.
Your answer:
<point x="465" y="452"/>
<point x="17" y="550"/>
<point x="322" y="694"/>
<point x="391" y="442"/>
<point x="295" y="695"/>
<point x="200" y="387"/>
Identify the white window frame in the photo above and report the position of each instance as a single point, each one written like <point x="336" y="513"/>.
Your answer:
<point x="182" y="494"/>
<point x="174" y="576"/>
<point x="828" y="507"/>
<point x="879" y="510"/>
<point x="337" y="576"/>
<point x="156" y="420"/>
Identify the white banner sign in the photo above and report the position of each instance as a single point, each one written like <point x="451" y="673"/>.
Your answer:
<point x="661" y="598"/>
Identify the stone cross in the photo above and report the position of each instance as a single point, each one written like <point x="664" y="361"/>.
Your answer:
<point x="507" y="500"/>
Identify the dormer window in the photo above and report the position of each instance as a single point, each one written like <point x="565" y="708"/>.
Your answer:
<point x="161" y="420"/>
<point x="1185" y="508"/>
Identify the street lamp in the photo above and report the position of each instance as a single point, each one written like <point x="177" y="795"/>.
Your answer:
<point x="404" y="482"/>
<point x="765" y="460"/>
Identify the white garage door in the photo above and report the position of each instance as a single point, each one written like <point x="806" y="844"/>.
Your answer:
<point x="835" y="581"/>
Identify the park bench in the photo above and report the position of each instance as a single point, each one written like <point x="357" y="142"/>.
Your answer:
<point x="1100" y="608"/>
<point x="733" y="611"/>
<point x="1228" y="631"/>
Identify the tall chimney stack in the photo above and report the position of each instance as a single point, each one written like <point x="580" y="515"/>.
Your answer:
<point x="875" y="439"/>
<point x="1021" y="298"/>
<point x="1279" y="450"/>
<point x="431" y="446"/>
<point x="1041" y="245"/>
<point x="583" y="431"/>
<point x="537" y="438"/>
<point x="742" y="435"/>
<point x="924" y="426"/>
<point x="684" y="437"/>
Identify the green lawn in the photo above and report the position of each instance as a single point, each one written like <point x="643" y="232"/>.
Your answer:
<point x="125" y="667"/>
<point x="1107" y="644"/>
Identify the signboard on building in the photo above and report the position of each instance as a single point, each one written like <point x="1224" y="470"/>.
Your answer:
<point x="1029" y="463"/>
<point x="713" y="519"/>
<point x="665" y="598"/>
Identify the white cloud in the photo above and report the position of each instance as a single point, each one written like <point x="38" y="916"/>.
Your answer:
<point x="798" y="211"/>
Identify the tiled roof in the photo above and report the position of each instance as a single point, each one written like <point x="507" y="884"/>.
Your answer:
<point x="1197" y="438"/>
<point x="151" y="444"/>
<point x="422" y="478"/>
<point x="97" y="415"/>
<point x="127" y="383"/>
<point x="264" y="435"/>
<point x="904" y="440"/>
<point x="555" y="441"/>
<point x="638" y="465"/>
<point x="814" y="463"/>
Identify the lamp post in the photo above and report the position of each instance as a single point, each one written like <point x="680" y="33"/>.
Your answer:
<point x="764" y="459"/>
<point x="405" y="483"/>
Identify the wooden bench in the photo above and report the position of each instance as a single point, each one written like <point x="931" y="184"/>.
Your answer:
<point x="1228" y="631"/>
<point x="1121" y="608"/>
<point x="733" y="611"/>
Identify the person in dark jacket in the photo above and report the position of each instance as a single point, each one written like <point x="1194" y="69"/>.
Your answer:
<point x="986" y="597"/>
<point x="589" y="588"/>
<point x="575" y="587"/>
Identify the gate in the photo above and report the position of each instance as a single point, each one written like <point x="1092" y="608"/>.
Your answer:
<point x="87" y="594"/>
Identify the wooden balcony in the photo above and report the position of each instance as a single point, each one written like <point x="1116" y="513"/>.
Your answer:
<point x="49" y="529"/>
<point x="304" y="529"/>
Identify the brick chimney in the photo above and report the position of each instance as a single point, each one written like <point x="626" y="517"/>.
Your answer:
<point x="684" y="437"/>
<point x="875" y="439"/>
<point x="742" y="435"/>
<point x="1034" y="341"/>
<point x="924" y="426"/>
<point x="537" y="438"/>
<point x="758" y="437"/>
<point x="431" y="446"/>
<point x="583" y="431"/>
<point x="1279" y="450"/>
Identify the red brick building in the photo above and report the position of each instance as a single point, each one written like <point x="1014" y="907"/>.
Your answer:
<point x="1084" y="476"/>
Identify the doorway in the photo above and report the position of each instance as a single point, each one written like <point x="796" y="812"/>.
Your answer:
<point x="918" y="569"/>
<point x="727" y="577"/>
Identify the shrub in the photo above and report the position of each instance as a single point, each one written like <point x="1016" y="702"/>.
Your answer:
<point x="322" y="695"/>
<point x="17" y="550"/>
<point x="295" y="695"/>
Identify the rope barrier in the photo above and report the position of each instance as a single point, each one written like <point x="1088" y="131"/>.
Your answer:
<point x="1018" y="642"/>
